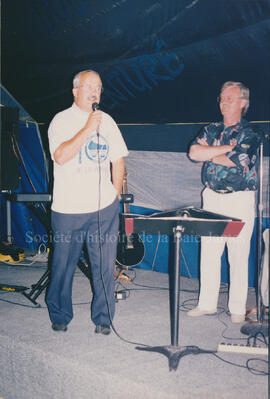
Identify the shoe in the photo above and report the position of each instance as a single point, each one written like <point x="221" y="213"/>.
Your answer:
<point x="59" y="327"/>
<point x="237" y="318"/>
<point x="199" y="312"/>
<point x="105" y="330"/>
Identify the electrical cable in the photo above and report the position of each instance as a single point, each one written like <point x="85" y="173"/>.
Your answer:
<point x="185" y="263"/>
<point x="256" y="371"/>
<point x="222" y="311"/>
<point x="250" y="369"/>
<point x="228" y="362"/>
<point x="99" y="229"/>
<point x="33" y="122"/>
<point x="151" y="288"/>
<point x="101" y="257"/>
<point x="255" y="339"/>
<point x="246" y="366"/>
<point x="26" y="266"/>
<point x="240" y="338"/>
<point x="226" y="328"/>
<point x="155" y="254"/>
<point x="20" y="304"/>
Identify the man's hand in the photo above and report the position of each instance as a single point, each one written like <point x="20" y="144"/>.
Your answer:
<point x="202" y="142"/>
<point x="94" y="121"/>
<point x="233" y="143"/>
<point x="68" y="149"/>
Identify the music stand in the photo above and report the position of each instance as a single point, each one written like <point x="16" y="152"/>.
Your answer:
<point x="187" y="221"/>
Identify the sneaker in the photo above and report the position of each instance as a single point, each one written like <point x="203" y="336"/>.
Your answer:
<point x="237" y="318"/>
<point x="199" y="312"/>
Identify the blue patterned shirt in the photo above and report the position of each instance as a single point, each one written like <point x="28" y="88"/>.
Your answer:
<point x="245" y="155"/>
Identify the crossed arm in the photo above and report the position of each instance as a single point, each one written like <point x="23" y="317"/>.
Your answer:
<point x="217" y="154"/>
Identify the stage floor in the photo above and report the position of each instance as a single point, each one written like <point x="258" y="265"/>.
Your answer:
<point x="36" y="362"/>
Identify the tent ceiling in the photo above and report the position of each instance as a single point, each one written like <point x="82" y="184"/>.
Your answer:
<point x="161" y="61"/>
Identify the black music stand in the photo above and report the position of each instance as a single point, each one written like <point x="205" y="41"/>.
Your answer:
<point x="187" y="221"/>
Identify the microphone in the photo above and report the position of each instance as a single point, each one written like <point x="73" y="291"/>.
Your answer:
<point x="95" y="107"/>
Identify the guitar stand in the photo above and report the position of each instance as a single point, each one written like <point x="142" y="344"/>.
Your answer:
<point x="36" y="289"/>
<point x="174" y="352"/>
<point x="43" y="282"/>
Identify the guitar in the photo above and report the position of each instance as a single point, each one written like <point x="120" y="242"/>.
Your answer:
<point x="130" y="248"/>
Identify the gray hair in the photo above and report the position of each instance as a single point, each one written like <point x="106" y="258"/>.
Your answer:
<point x="76" y="79"/>
<point x="244" y="92"/>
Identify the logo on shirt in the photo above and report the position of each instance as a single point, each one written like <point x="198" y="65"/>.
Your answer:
<point x="96" y="149"/>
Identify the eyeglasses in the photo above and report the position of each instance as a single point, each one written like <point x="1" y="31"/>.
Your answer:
<point x="229" y="100"/>
<point x="92" y="88"/>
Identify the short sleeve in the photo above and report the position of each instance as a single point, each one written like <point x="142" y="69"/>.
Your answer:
<point x="118" y="148"/>
<point x="56" y="133"/>
<point x="245" y="152"/>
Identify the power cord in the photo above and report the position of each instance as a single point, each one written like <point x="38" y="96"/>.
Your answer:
<point x="253" y="370"/>
<point x="101" y="256"/>
<point x="155" y="254"/>
<point x="248" y="340"/>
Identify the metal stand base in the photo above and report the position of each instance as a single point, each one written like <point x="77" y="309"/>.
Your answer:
<point x="174" y="353"/>
<point x="253" y="328"/>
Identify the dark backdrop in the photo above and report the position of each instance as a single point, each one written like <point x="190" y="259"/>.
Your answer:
<point x="161" y="61"/>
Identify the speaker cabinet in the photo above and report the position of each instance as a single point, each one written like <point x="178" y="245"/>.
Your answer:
<point x="9" y="163"/>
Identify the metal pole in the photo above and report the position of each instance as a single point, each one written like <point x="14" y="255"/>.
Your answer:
<point x="9" y="233"/>
<point x="176" y="286"/>
<point x="259" y="238"/>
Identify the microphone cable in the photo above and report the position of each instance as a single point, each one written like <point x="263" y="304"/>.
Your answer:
<point x="95" y="106"/>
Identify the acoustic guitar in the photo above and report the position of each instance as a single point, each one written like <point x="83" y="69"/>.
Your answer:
<point x="130" y="248"/>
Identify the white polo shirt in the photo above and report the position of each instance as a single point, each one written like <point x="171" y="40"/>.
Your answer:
<point x="77" y="183"/>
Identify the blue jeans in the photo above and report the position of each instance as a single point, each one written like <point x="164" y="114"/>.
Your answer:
<point x="70" y="231"/>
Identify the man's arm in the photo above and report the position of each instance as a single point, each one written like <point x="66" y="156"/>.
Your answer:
<point x="223" y="160"/>
<point x="68" y="149"/>
<point x="203" y="152"/>
<point x="118" y="172"/>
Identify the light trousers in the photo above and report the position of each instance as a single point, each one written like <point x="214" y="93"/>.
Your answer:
<point x="241" y="205"/>
<point x="265" y="269"/>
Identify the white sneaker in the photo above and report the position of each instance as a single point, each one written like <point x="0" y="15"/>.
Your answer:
<point x="199" y="312"/>
<point x="237" y="318"/>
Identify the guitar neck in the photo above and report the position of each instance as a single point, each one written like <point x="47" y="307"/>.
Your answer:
<point x="125" y="191"/>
